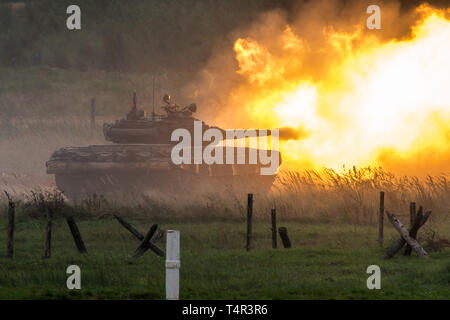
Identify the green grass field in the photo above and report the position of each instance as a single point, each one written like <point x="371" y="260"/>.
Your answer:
<point x="326" y="262"/>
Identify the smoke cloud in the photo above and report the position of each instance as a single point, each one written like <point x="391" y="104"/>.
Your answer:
<point x="319" y="74"/>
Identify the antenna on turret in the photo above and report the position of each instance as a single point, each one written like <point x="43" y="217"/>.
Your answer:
<point x="134" y="99"/>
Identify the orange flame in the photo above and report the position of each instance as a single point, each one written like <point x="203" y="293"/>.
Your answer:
<point x="375" y="104"/>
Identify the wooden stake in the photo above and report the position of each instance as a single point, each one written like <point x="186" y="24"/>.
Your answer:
<point x="420" y="221"/>
<point x="274" y="228"/>
<point x="148" y="244"/>
<point x="416" y="224"/>
<point x="412" y="214"/>
<point x="11" y="214"/>
<point x="130" y="228"/>
<point x="249" y="220"/>
<point x="395" y="248"/>
<point x="381" y="220"/>
<point x="48" y="235"/>
<point x="284" y="237"/>
<point x="76" y="235"/>
<point x="158" y="236"/>
<point x="405" y="235"/>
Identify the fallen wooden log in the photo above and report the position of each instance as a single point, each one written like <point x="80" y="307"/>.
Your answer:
<point x="405" y="235"/>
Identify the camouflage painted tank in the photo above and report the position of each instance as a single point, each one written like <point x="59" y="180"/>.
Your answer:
<point x="139" y="159"/>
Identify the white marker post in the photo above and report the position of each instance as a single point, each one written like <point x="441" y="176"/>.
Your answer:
<point x="173" y="265"/>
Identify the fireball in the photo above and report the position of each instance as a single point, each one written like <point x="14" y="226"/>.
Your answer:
<point x="374" y="103"/>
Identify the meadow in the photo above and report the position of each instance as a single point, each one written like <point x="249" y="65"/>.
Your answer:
<point x="328" y="259"/>
<point x="326" y="262"/>
<point x="331" y="216"/>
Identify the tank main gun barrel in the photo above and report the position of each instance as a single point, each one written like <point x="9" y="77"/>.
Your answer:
<point x="259" y="132"/>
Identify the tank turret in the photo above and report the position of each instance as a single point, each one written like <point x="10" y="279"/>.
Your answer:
<point x="138" y="128"/>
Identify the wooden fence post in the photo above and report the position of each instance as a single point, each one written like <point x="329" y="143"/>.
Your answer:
<point x="173" y="265"/>
<point x="412" y="214"/>
<point x="11" y="214"/>
<point x="76" y="235"/>
<point x="48" y="235"/>
<point x="415" y="226"/>
<point x="381" y="220"/>
<point x="274" y="228"/>
<point x="284" y="237"/>
<point x="249" y="220"/>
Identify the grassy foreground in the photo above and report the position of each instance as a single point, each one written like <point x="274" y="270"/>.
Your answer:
<point x="326" y="262"/>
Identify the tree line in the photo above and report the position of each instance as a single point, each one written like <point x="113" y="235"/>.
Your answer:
<point x="122" y="35"/>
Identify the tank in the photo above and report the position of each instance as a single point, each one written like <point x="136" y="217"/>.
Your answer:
<point x="138" y="158"/>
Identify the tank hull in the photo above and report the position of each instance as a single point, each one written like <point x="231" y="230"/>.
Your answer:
<point x="138" y="168"/>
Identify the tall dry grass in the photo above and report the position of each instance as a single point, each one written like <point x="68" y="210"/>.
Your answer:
<point x="311" y="197"/>
<point x="353" y="195"/>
